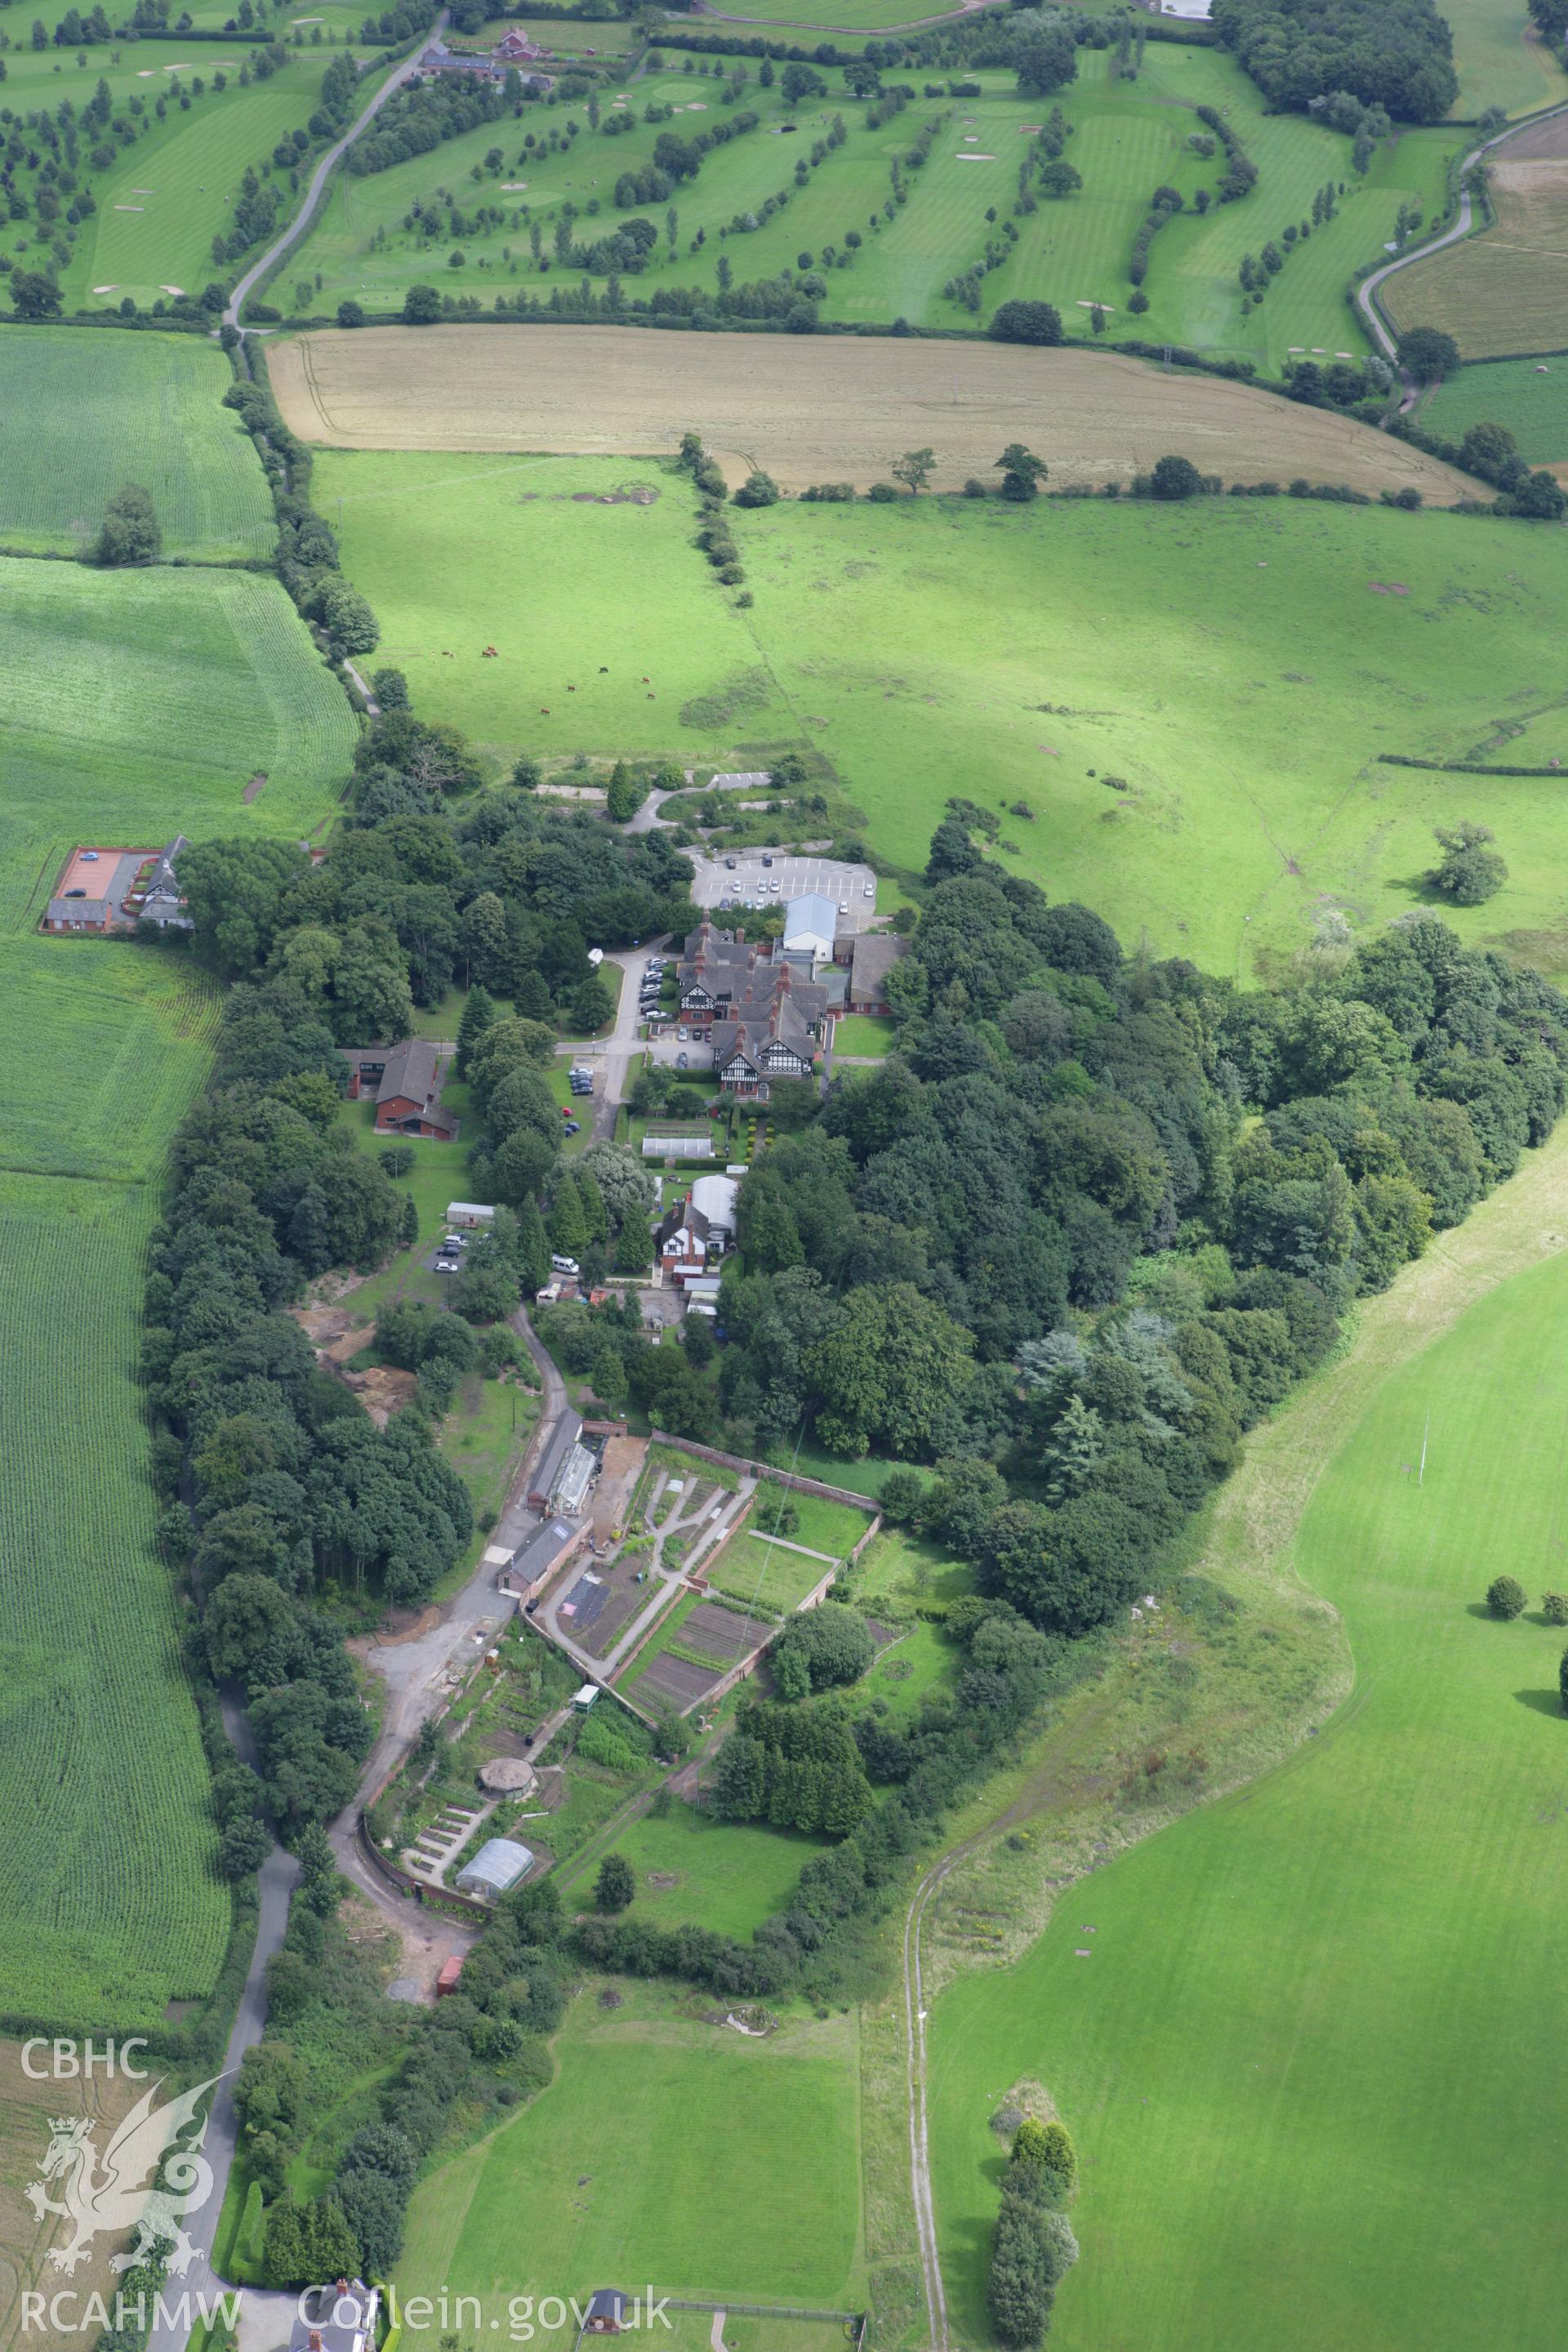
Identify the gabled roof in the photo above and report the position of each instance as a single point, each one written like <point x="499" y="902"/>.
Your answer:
<point x="78" y="910"/>
<point x="876" y="953"/>
<point x="812" y="912"/>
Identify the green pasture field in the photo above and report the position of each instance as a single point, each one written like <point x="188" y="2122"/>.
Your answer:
<point x="1231" y="667"/>
<point x="453" y="553"/>
<point x="1530" y="396"/>
<point x="1361" y="1932"/>
<point x="728" y="1875"/>
<point x="1233" y="662"/>
<point x="667" y="2147"/>
<point x="828" y="16"/>
<point x="134" y="705"/>
<point x="1129" y="138"/>
<point x="84" y="413"/>
<point x="863" y="1034"/>
<point x="765" y="1575"/>
<point x="110" y="1905"/>
<point x="1499" y="58"/>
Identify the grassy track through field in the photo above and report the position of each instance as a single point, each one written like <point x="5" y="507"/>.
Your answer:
<point x="1290" y="2029"/>
<point x="83" y="414"/>
<point x="134" y="705"/>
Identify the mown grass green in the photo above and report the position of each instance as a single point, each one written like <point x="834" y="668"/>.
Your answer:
<point x="1129" y="138"/>
<point x="84" y="413"/>
<point x="161" y="200"/>
<point x="668" y="2148"/>
<point x="1299" y="2024"/>
<point x="135" y="704"/>
<point x="765" y="1575"/>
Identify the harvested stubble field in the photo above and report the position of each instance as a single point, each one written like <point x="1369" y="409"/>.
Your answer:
<point x="814" y="410"/>
<point x="1506" y="289"/>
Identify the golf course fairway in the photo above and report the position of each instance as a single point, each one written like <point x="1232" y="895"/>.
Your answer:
<point x="1311" y="2060"/>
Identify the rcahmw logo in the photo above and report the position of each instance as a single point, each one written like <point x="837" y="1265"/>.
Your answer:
<point x="111" y="2192"/>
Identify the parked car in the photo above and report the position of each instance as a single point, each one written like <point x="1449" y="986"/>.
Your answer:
<point x="90" y="857"/>
<point x="683" y="1035"/>
<point x="843" y="906"/>
<point x="683" y="1061"/>
<point x="573" y="1127"/>
<point x="730" y="862"/>
<point x="870" y="891"/>
<point x="767" y="859"/>
<point x="76" y="894"/>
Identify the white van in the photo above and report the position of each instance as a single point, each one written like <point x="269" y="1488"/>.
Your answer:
<point x="564" y="1265"/>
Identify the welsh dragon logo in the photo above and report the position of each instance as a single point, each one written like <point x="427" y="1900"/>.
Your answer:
<point x="111" y="2194"/>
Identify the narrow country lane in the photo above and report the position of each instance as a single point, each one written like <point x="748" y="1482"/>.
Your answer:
<point x="323" y="170"/>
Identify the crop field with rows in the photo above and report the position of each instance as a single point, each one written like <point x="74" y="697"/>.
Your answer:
<point x="84" y="413"/>
<point x="132" y="706"/>
<point x="109" y="1902"/>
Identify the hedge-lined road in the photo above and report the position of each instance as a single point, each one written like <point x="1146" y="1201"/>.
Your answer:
<point x="1367" y="293"/>
<point x="322" y="172"/>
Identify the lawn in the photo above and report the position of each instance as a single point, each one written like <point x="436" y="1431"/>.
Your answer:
<point x="667" y="2149"/>
<point x="84" y="413"/>
<point x="728" y="1877"/>
<point x="861" y="1034"/>
<point x="1363" y="1930"/>
<point x="765" y="1575"/>
<point x="1530" y="396"/>
<point x="135" y="704"/>
<point x="908" y="1568"/>
<point x="828" y="1528"/>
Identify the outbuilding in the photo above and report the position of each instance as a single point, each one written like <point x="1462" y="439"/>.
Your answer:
<point x="810" y="924"/>
<point x="499" y="1863"/>
<point x="606" y="2312"/>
